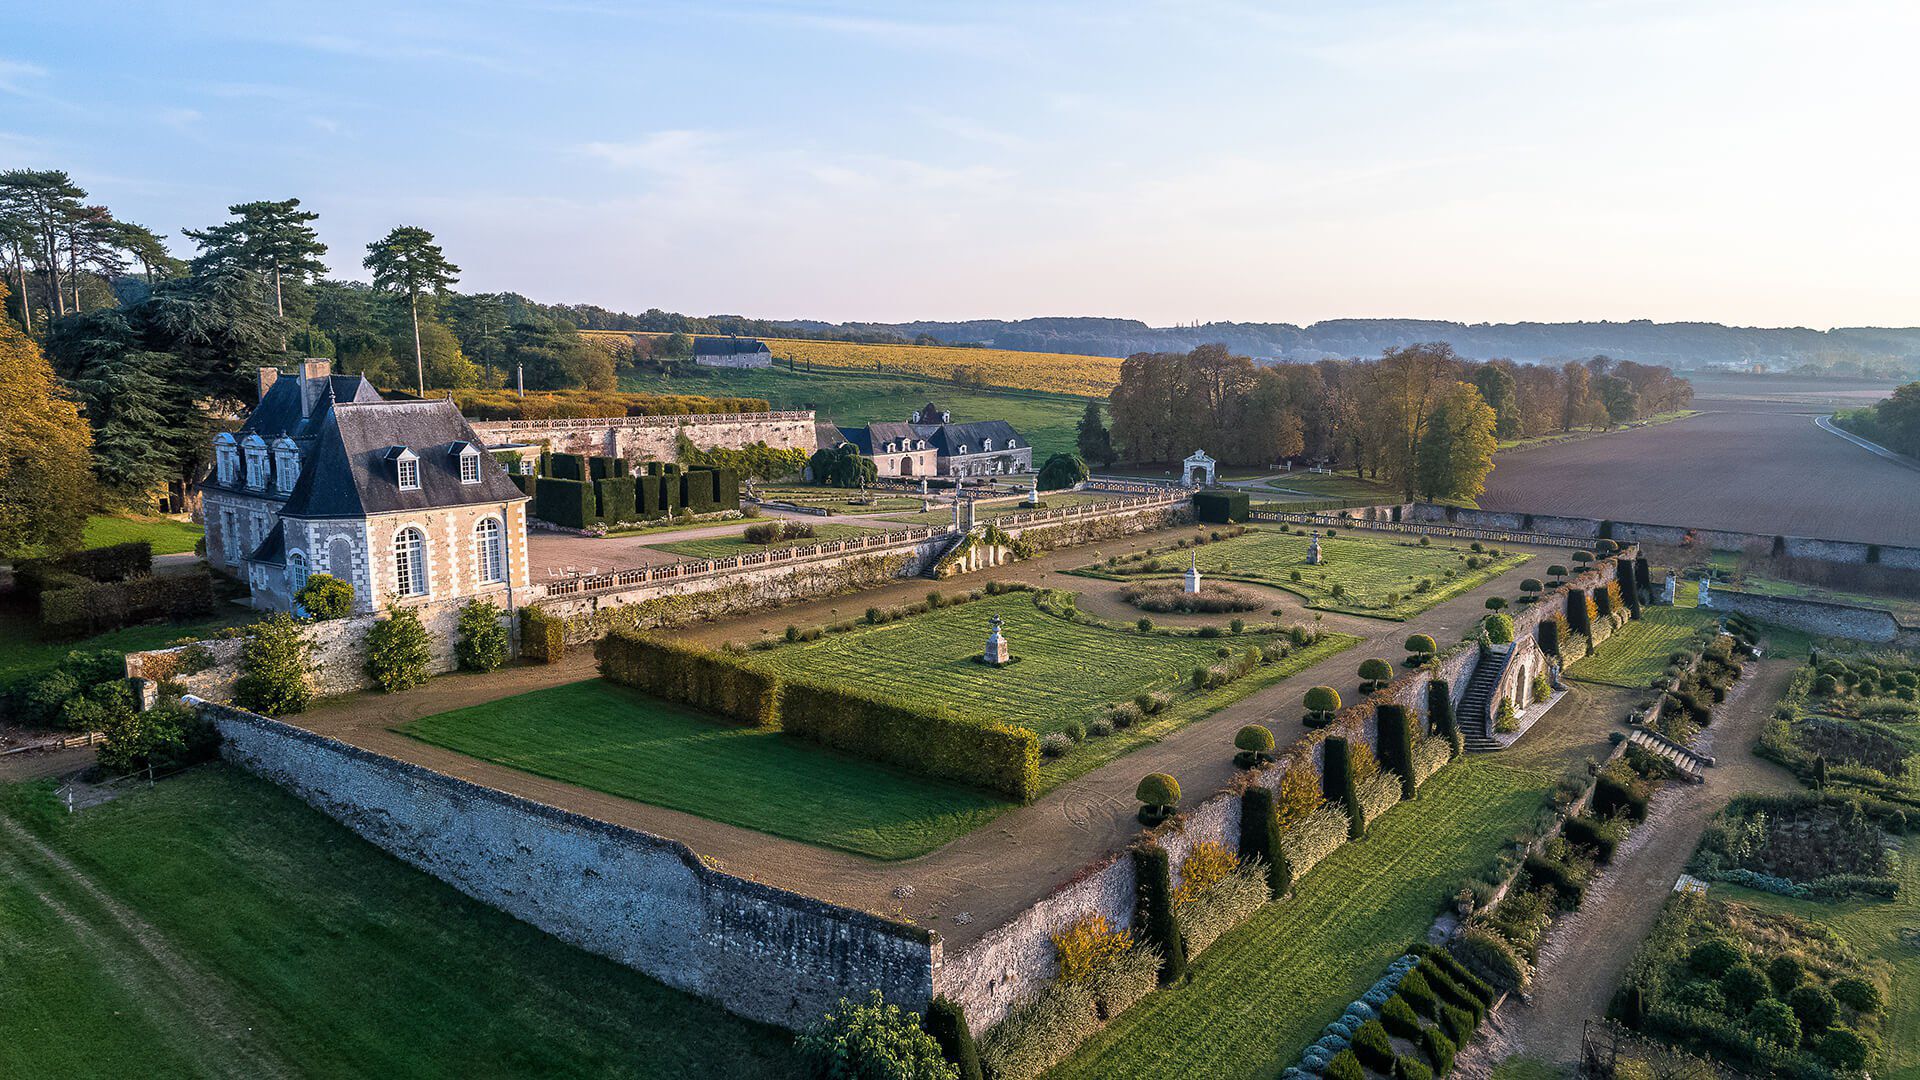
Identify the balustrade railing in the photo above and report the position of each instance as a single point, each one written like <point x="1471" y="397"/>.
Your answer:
<point x="1456" y="532"/>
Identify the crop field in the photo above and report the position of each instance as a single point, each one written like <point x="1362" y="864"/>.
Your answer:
<point x="214" y="925"/>
<point x="617" y="740"/>
<point x="1638" y="651"/>
<point x="1373" y="575"/>
<point x="719" y="547"/>
<point x="1066" y="373"/>
<point x="1063" y="672"/>
<point x="1262" y="992"/>
<point x="1748" y="466"/>
<point x="853" y="398"/>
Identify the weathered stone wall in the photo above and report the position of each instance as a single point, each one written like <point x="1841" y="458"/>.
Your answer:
<point x="1800" y="547"/>
<point x="655" y="438"/>
<point x="1818" y="617"/>
<point x="638" y="899"/>
<point x="339" y="654"/>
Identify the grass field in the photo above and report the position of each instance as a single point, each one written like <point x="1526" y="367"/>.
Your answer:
<point x="24" y="654"/>
<point x="1063" y="673"/>
<point x="1638" y="651"/>
<point x="1047" y="421"/>
<point x="719" y="547"/>
<point x="1589" y="433"/>
<point x="1311" y="485"/>
<point x="216" y="926"/>
<point x="614" y="739"/>
<point x="168" y="537"/>
<point x="1375" y="576"/>
<point x="1262" y="992"/>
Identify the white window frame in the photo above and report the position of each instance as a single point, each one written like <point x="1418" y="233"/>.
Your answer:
<point x="406" y="472"/>
<point x="412" y="576"/>
<point x="297" y="571"/>
<point x="490" y="551"/>
<point x="469" y="466"/>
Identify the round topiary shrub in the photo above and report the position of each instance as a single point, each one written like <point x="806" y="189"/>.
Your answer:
<point x="1814" y="1007"/>
<point x="1321" y="702"/>
<point x="1374" y="674"/>
<point x="1744" y="986"/>
<point x="1499" y="629"/>
<point x="1496" y="603"/>
<point x="1159" y="794"/>
<point x="1773" y="1021"/>
<point x="325" y="597"/>
<point x="1420" y="648"/>
<point x="1857" y="994"/>
<point x="1255" y="744"/>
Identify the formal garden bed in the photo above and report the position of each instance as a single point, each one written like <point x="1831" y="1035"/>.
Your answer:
<point x="373" y="968"/>
<point x="1850" y="724"/>
<point x="1359" y="574"/>
<point x="1644" y="648"/>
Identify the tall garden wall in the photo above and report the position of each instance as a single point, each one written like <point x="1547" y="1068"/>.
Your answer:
<point x="635" y="898"/>
<point x="655" y="438"/>
<point x="1818" y="617"/>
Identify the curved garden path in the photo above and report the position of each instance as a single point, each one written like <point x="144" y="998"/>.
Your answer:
<point x="979" y="880"/>
<point x="1585" y="953"/>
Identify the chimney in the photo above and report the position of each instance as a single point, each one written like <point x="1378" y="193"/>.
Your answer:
<point x="267" y="377"/>
<point x="313" y="383"/>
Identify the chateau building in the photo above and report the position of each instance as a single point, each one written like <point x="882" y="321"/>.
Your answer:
<point x="399" y="498"/>
<point x="931" y="444"/>
<point x="731" y="352"/>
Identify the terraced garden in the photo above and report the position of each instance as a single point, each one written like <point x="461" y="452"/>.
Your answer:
<point x="1360" y="574"/>
<point x="719" y="547"/>
<point x="1637" y="652"/>
<point x="1048" y="501"/>
<point x="154" y="936"/>
<point x="1262" y="992"/>
<point x="1065" y="673"/>
<point x="617" y="740"/>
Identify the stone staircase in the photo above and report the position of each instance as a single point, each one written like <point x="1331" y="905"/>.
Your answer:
<point x="1475" y="714"/>
<point x="932" y="568"/>
<point x="1689" y="763"/>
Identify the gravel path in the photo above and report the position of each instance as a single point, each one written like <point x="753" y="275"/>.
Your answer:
<point x="1585" y="953"/>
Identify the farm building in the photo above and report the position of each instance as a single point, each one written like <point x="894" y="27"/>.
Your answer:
<point x="931" y="444"/>
<point x="398" y="498"/>
<point x="731" y="352"/>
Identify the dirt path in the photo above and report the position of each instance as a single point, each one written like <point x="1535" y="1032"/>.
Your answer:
<point x="163" y="982"/>
<point x="1585" y="954"/>
<point x="979" y="880"/>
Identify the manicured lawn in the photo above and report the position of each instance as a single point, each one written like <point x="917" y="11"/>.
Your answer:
<point x="1312" y="485"/>
<point x="216" y="926"/>
<point x="1376" y="576"/>
<point x="1064" y="672"/>
<point x="168" y="537"/>
<point x="1262" y="992"/>
<point x="24" y="654"/>
<point x="1873" y="928"/>
<point x="1638" y="651"/>
<point x="614" y="739"/>
<point x="719" y="547"/>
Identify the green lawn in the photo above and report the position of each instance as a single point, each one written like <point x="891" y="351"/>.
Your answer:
<point x="1873" y="929"/>
<point x="1048" y="422"/>
<point x="1263" y="992"/>
<point x="1312" y="485"/>
<point x="216" y="926"/>
<point x="1638" y="651"/>
<point x="1054" y="501"/>
<point x="1375" y="575"/>
<point x="168" y="537"/>
<point x="1064" y="672"/>
<point x="719" y="547"/>
<point x="614" y="739"/>
<point x="24" y="654"/>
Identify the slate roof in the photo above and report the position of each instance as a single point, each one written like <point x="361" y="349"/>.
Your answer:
<point x="272" y="550"/>
<point x="728" y="346"/>
<point x="350" y="473"/>
<point x="946" y="438"/>
<point x="278" y="413"/>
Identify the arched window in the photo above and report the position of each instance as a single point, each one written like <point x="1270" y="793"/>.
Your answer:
<point x="410" y="562"/>
<point x="986" y="444"/>
<point x="1011" y="443"/>
<point x="963" y="448"/>
<point x="296" y="571"/>
<point x="488" y="551"/>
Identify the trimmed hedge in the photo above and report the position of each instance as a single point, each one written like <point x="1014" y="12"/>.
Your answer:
<point x="1153" y="910"/>
<point x="564" y="501"/>
<point x="543" y="638"/>
<point x="1440" y="714"/>
<point x="1260" y="838"/>
<point x="947" y="1023"/>
<point x="116" y="562"/>
<point x="81" y="607"/>
<point x="1397" y="737"/>
<point x="689" y="675"/>
<point x="928" y="739"/>
<point x="1220" y="507"/>
<point x="1577" y="618"/>
<point x="615" y="498"/>
<point x="566" y="467"/>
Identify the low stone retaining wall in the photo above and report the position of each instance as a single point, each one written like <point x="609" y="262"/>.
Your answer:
<point x="638" y="899"/>
<point x="1821" y="618"/>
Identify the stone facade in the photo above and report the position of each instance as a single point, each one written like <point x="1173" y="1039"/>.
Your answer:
<point x="654" y="438"/>
<point x="638" y="899"/>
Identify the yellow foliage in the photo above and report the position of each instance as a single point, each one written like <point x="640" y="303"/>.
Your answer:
<point x="1298" y="795"/>
<point x="1064" y="373"/>
<point x="1365" y="765"/>
<point x="46" y="451"/>
<point x="1087" y="946"/>
<point x="1202" y="869"/>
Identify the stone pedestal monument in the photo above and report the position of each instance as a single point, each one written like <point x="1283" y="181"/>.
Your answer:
<point x="1033" y="496"/>
<point x="1671" y="590"/>
<point x="1706" y="596"/>
<point x="1193" y="575"/>
<point x="997" y="653"/>
<point x="1313" y="549"/>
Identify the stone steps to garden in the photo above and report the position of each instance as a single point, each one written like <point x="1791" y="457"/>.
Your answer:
<point x="1476" y="706"/>
<point x="1687" y="761"/>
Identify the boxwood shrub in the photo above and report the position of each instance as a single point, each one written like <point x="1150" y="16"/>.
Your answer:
<point x="543" y="637"/>
<point x="689" y="675"/>
<point x="928" y="739"/>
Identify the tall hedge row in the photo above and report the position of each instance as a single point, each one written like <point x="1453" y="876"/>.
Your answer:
<point x="1440" y="713"/>
<point x="565" y="502"/>
<point x="1336" y="779"/>
<point x="1397" y="736"/>
<point x="689" y="675"/>
<point x="1260" y="838"/>
<point x="927" y="739"/>
<point x="543" y="637"/>
<point x="1153" y="915"/>
<point x="566" y="466"/>
<point x="1577" y="612"/>
<point x="615" y="495"/>
<point x="115" y="562"/>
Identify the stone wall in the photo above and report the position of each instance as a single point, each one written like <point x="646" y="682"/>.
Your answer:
<point x="1799" y="547"/>
<point x="655" y="438"/>
<point x="638" y="899"/>
<point x="1818" y="617"/>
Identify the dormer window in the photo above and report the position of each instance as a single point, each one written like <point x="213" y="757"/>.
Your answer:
<point x="469" y="465"/>
<point x="986" y="445"/>
<point x="406" y="468"/>
<point x="1011" y="443"/>
<point x="226" y="458"/>
<point x="255" y="449"/>
<point x="963" y="448"/>
<point x="286" y="465"/>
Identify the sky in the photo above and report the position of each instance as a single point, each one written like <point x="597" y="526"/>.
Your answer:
<point x="1750" y="163"/>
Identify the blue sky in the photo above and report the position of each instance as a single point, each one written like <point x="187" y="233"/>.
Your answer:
<point x="1740" y="162"/>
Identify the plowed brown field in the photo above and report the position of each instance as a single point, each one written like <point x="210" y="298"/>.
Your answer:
<point x="1752" y="462"/>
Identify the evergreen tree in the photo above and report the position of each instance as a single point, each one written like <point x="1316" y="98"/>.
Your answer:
<point x="1095" y="441"/>
<point x="406" y="262"/>
<point x="123" y="389"/>
<point x="46" y="486"/>
<point x="272" y="239"/>
<point x="1500" y="391"/>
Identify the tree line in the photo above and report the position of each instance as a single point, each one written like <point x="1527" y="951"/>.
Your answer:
<point x="1893" y="422"/>
<point x="1419" y="417"/>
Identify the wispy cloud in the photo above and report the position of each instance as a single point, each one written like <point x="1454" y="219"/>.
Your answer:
<point x="15" y="75"/>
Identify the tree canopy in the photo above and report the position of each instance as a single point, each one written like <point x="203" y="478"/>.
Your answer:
<point x="45" y="453"/>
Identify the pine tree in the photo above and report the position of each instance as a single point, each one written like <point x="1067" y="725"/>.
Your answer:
<point x="407" y="262"/>
<point x="1095" y="441"/>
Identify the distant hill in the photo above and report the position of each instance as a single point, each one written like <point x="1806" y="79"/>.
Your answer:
<point x="1679" y="345"/>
